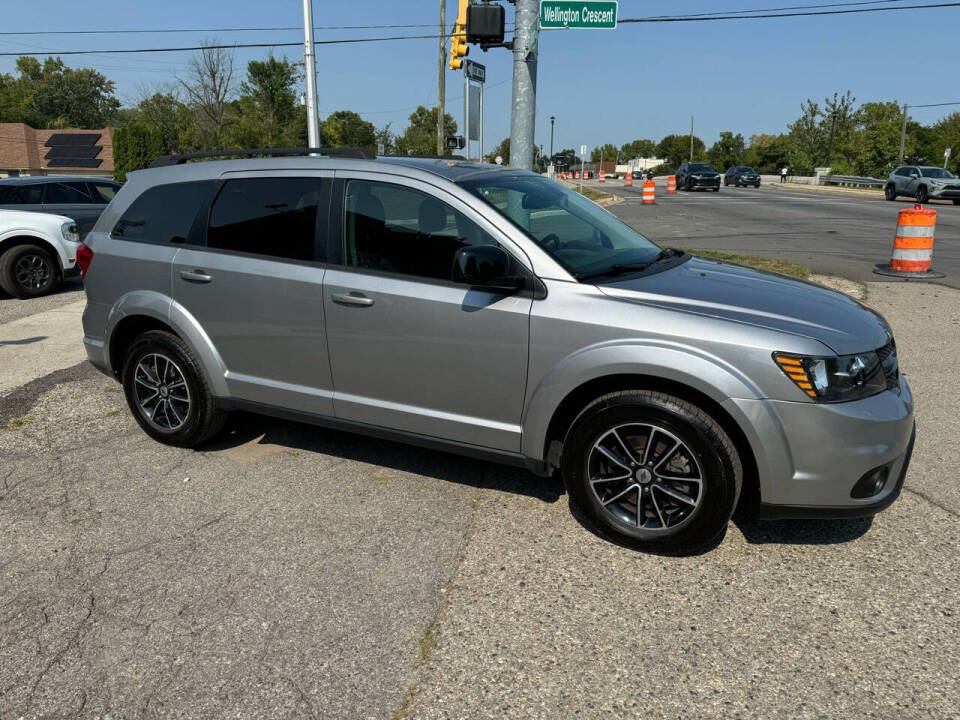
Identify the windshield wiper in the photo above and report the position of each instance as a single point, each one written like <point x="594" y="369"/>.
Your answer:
<point x="621" y="268"/>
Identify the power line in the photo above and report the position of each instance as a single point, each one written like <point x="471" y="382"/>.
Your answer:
<point x="767" y="15"/>
<point x="779" y="9"/>
<point x="298" y="28"/>
<point x="914" y="107"/>
<point x="346" y="41"/>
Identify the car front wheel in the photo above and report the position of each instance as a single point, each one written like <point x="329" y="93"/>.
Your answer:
<point x="28" y="271"/>
<point x="167" y="392"/>
<point x="890" y="192"/>
<point x="923" y="195"/>
<point x="652" y="470"/>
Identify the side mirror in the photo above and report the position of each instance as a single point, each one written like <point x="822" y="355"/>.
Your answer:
<point x="914" y="175"/>
<point x="487" y="267"/>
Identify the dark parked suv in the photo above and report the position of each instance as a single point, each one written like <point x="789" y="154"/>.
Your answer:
<point x="494" y="313"/>
<point x="698" y="175"/>
<point x="81" y="199"/>
<point x="741" y="175"/>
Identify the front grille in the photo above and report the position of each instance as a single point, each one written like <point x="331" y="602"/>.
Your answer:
<point x="891" y="368"/>
<point x="951" y="187"/>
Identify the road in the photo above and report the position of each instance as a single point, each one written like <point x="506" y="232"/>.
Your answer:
<point x="286" y="571"/>
<point x="833" y="234"/>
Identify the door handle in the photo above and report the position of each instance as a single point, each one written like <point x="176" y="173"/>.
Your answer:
<point x="197" y="276"/>
<point x="359" y="300"/>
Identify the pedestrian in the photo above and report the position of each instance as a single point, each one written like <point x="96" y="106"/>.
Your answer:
<point x="783" y="174"/>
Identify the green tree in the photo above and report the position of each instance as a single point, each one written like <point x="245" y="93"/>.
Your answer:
<point x="607" y="152"/>
<point x="676" y="149"/>
<point x="384" y="136"/>
<point x="729" y="150"/>
<point x="502" y="150"/>
<point x="420" y="136"/>
<point x="807" y="137"/>
<point x="266" y="113"/>
<point x="170" y="117"/>
<point x="838" y="126"/>
<point x="767" y="153"/>
<point x="345" y="128"/>
<point x="52" y="95"/>
<point x="876" y="144"/>
<point x="134" y="148"/>
<point x="638" y="149"/>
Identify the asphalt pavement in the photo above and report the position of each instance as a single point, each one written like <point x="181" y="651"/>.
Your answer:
<point x="833" y="234"/>
<point x="288" y="571"/>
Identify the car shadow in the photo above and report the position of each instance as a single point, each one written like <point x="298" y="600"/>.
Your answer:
<point x="23" y="341"/>
<point x="243" y="428"/>
<point x="67" y="286"/>
<point x="799" y="532"/>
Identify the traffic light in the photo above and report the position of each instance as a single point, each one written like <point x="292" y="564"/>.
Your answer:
<point x="458" y="41"/>
<point x="485" y="23"/>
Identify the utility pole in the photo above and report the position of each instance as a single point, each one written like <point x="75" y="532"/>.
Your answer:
<point x="310" y="70"/>
<point x="691" y="138"/>
<point x="523" y="111"/>
<point x="552" y="120"/>
<point x="903" y="134"/>
<point x="441" y="80"/>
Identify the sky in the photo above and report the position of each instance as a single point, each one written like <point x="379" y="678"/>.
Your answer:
<point x="637" y="81"/>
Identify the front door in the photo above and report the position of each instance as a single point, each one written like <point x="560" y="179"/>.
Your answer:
<point x="255" y="287"/>
<point x="409" y="349"/>
<point x="75" y="199"/>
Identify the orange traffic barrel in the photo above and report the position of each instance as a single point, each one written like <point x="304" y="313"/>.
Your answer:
<point x="576" y="174"/>
<point x="649" y="193"/>
<point x="601" y="176"/>
<point x="672" y="185"/>
<point x="913" y="245"/>
<point x="628" y="179"/>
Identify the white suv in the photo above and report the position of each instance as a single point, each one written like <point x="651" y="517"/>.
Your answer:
<point x="37" y="251"/>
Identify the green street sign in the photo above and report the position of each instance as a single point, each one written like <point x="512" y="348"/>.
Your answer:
<point x="578" y="14"/>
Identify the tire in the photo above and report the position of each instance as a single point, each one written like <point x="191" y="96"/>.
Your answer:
<point x="689" y="185"/>
<point x="923" y="195"/>
<point x="716" y="189"/>
<point x="890" y="192"/>
<point x="178" y="423"/>
<point x="956" y="201"/>
<point x="705" y="450"/>
<point x="29" y="271"/>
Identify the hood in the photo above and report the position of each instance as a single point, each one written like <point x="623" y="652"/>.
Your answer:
<point x="707" y="173"/>
<point x="29" y="218"/>
<point x="762" y="299"/>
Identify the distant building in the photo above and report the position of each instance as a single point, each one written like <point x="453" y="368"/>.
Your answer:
<point x="26" y="151"/>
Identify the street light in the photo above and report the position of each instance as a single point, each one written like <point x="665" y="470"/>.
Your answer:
<point x="552" y="120"/>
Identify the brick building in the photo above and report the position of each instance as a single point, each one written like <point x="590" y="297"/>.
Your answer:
<point x="26" y="151"/>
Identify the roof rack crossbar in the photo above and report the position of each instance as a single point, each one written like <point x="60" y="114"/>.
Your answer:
<point x="167" y="160"/>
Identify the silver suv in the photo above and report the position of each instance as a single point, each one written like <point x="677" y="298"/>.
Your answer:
<point x="494" y="313"/>
<point x="923" y="183"/>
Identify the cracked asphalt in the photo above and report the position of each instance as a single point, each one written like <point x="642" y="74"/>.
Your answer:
<point x="287" y="571"/>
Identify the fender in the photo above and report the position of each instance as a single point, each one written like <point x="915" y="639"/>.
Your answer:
<point x="680" y="363"/>
<point x="161" y="307"/>
<point x="55" y="248"/>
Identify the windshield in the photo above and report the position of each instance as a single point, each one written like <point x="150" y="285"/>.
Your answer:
<point x="746" y="169"/>
<point x="579" y="234"/>
<point x="936" y="173"/>
<point x="701" y="167"/>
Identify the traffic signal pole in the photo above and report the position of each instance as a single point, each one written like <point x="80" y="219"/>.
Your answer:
<point x="310" y="70"/>
<point x="523" y="110"/>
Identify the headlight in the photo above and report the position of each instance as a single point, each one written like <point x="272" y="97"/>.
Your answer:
<point x="70" y="232"/>
<point x="835" y="379"/>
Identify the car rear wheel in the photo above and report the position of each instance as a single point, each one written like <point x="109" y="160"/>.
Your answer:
<point x="890" y="192"/>
<point x="956" y="201"/>
<point x="652" y="470"/>
<point x="923" y="195"/>
<point x="167" y="392"/>
<point x="28" y="271"/>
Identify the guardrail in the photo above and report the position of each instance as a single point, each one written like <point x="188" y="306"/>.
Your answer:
<point x="854" y="180"/>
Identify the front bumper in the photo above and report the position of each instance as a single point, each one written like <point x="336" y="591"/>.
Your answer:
<point x="944" y="193"/>
<point x="810" y="455"/>
<point x="704" y="182"/>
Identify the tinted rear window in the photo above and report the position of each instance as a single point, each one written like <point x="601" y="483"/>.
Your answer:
<point x="24" y="195"/>
<point x="275" y="216"/>
<point x="103" y="192"/>
<point x="164" y="213"/>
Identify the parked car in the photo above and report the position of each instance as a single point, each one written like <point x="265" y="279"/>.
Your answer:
<point x="741" y="175"/>
<point x="79" y="198"/>
<point x="37" y="252"/>
<point x="923" y="183"/>
<point x="493" y="313"/>
<point x="637" y="174"/>
<point x="698" y="175"/>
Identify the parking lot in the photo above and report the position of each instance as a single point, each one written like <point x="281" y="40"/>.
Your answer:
<point x="288" y="571"/>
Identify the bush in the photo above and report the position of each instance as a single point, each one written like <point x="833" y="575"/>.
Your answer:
<point x="663" y="169"/>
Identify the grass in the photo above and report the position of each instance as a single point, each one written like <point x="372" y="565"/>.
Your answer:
<point x="783" y="267"/>
<point x="19" y="422"/>
<point x="591" y="194"/>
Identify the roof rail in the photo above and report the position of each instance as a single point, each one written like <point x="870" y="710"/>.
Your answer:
<point x="433" y="157"/>
<point x="166" y="160"/>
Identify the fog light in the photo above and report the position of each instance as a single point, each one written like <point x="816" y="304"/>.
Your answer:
<point x="872" y="483"/>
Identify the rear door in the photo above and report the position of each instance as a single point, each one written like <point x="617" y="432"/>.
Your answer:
<point x="77" y="200"/>
<point x="254" y="284"/>
<point x="410" y="349"/>
<point x="23" y="196"/>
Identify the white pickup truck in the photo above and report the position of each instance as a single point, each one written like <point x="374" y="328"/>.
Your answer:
<point x="37" y="251"/>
